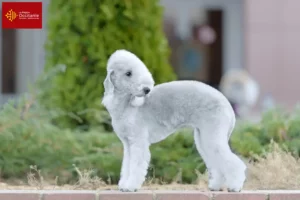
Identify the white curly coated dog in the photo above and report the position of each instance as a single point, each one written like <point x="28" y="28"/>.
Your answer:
<point x="143" y="114"/>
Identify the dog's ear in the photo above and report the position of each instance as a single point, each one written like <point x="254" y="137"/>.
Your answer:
<point x="108" y="84"/>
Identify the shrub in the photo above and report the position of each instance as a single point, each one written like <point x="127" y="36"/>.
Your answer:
<point x="82" y="35"/>
<point x="176" y="155"/>
<point x="27" y="137"/>
<point x="276" y="124"/>
<point x="274" y="169"/>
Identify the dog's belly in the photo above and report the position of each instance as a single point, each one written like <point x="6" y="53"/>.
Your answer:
<point x="161" y="130"/>
<point x="159" y="135"/>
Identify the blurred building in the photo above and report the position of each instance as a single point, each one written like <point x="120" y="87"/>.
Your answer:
<point x="207" y="38"/>
<point x="21" y="56"/>
<point x="261" y="36"/>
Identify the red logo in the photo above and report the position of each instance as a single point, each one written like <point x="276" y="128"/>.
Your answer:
<point x="26" y="15"/>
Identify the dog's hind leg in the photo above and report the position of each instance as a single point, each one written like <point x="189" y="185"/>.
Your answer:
<point x="215" y="145"/>
<point x="216" y="179"/>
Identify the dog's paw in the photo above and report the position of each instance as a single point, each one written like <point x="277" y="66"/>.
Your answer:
<point x="127" y="190"/>
<point x="234" y="189"/>
<point x="215" y="189"/>
<point x="214" y="186"/>
<point x="121" y="184"/>
<point x="129" y="186"/>
<point x="215" y="181"/>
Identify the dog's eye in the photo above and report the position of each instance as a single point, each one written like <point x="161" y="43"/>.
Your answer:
<point x="128" y="74"/>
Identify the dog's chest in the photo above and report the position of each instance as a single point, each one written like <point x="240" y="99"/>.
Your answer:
<point x="125" y="124"/>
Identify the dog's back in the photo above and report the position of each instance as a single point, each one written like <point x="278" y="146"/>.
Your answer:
<point x="185" y="103"/>
<point x="187" y="94"/>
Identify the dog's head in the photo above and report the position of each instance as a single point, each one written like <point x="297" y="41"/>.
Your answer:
<point x="127" y="74"/>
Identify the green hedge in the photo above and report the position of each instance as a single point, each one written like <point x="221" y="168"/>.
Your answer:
<point x="277" y="125"/>
<point x="82" y="35"/>
<point x="27" y="137"/>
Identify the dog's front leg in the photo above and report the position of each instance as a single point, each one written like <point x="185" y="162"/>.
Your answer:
<point x="138" y="165"/>
<point x="125" y="164"/>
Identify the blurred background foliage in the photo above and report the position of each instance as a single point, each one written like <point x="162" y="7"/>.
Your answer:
<point x="83" y="41"/>
<point x="28" y="137"/>
<point x="276" y="124"/>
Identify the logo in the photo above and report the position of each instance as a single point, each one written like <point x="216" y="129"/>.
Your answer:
<point x="11" y="15"/>
<point x="22" y="15"/>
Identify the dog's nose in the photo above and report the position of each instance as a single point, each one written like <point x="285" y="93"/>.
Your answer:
<point x="146" y="90"/>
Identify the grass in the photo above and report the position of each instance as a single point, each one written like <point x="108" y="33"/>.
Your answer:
<point x="276" y="169"/>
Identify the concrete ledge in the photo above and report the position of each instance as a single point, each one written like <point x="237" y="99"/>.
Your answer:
<point x="146" y="195"/>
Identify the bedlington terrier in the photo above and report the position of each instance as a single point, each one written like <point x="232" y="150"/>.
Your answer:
<point x="143" y="114"/>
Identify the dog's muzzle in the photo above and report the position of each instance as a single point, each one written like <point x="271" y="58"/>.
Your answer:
<point x="143" y="91"/>
<point x="146" y="90"/>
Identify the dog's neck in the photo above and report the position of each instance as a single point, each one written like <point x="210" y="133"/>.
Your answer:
<point x="116" y="102"/>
